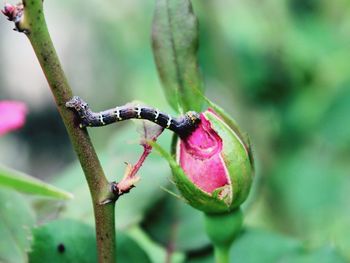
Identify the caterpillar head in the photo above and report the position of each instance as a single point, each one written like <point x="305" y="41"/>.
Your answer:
<point x="193" y="117"/>
<point x="188" y="123"/>
<point x="78" y="104"/>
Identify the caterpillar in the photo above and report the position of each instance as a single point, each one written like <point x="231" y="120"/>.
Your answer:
<point x="183" y="125"/>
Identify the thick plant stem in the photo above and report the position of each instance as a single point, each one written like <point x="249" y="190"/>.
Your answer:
<point x="34" y="25"/>
<point x="222" y="230"/>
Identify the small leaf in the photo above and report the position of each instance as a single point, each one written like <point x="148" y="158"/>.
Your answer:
<point x="30" y="185"/>
<point x="175" y="44"/>
<point x="16" y="220"/>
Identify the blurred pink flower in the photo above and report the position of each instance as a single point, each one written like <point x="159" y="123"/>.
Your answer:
<point x="12" y="115"/>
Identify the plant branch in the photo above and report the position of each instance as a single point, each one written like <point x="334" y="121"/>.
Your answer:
<point x="34" y="26"/>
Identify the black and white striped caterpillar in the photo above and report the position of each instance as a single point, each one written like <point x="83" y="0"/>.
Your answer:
<point x="182" y="126"/>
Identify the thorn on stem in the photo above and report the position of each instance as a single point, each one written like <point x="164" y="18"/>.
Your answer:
<point x="128" y="182"/>
<point x="118" y="191"/>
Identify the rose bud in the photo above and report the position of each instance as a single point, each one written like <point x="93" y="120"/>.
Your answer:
<point x="216" y="162"/>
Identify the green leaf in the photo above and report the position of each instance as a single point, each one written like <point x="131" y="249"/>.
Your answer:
<point x="72" y="241"/>
<point x="30" y="185"/>
<point x="175" y="44"/>
<point x="16" y="220"/>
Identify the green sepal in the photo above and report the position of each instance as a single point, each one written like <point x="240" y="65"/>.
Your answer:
<point x="232" y="124"/>
<point x="27" y="184"/>
<point x="175" y="44"/>
<point x="193" y="195"/>
<point x="236" y="159"/>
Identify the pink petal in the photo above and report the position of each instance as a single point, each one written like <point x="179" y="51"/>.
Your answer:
<point x="12" y="115"/>
<point x="201" y="160"/>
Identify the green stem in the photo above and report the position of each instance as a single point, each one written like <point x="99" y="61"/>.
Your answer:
<point x="222" y="230"/>
<point x="222" y="254"/>
<point x="34" y="25"/>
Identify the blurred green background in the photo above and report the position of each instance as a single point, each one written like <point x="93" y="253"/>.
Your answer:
<point x="280" y="67"/>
